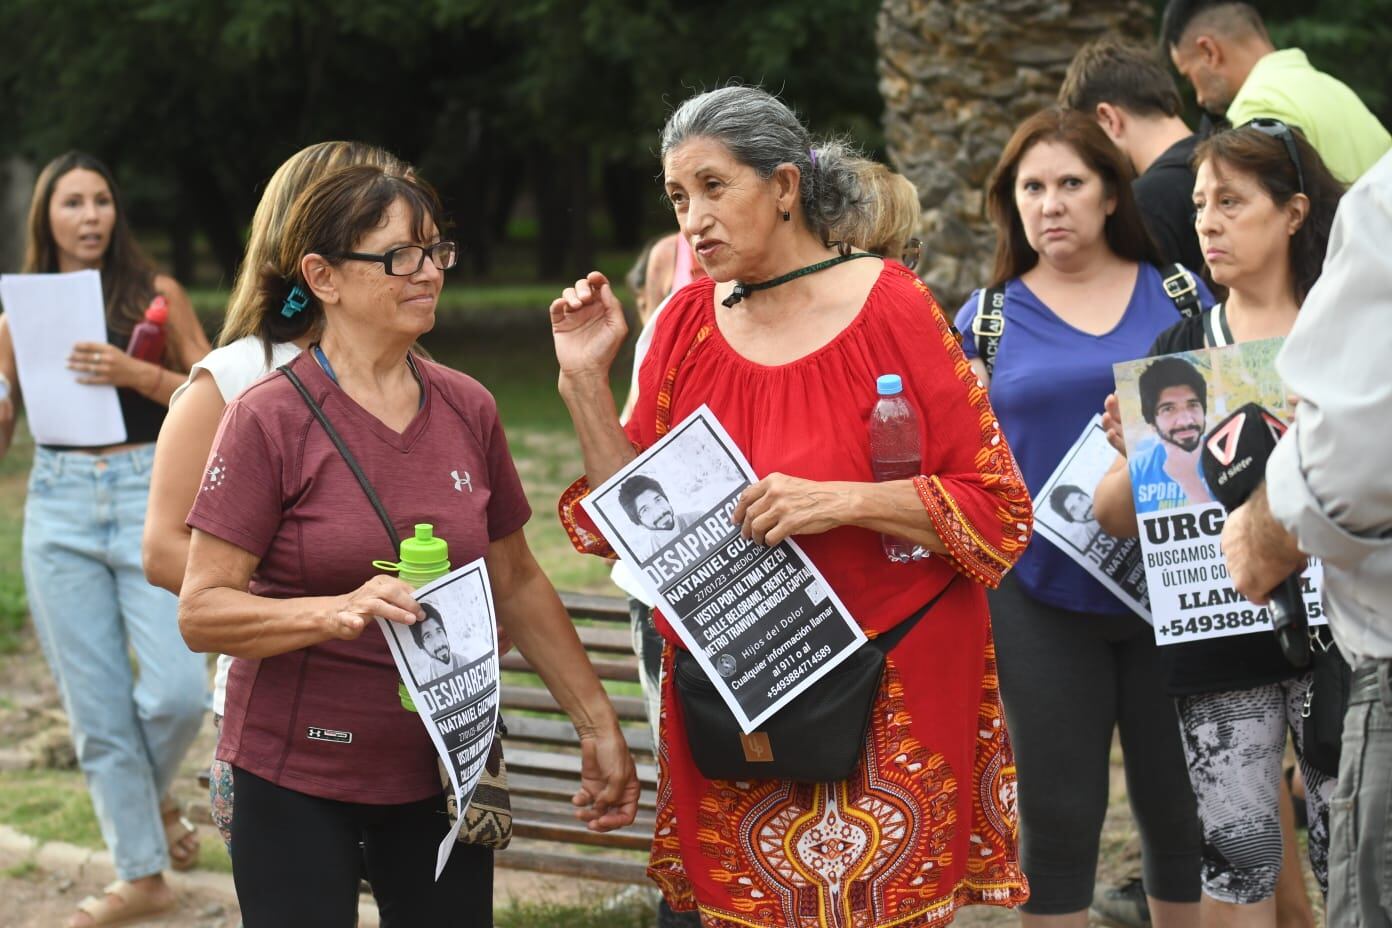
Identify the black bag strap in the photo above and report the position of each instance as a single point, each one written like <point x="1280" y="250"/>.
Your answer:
<point x="988" y="325"/>
<point x="348" y="458"/>
<point x="1182" y="289"/>
<point x="889" y="639"/>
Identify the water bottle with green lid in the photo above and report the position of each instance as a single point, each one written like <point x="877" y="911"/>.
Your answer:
<point x="423" y="558"/>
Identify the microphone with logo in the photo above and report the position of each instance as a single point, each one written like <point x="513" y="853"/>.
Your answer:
<point x="1234" y="464"/>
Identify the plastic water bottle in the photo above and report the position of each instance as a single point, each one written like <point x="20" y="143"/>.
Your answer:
<point x="147" y="338"/>
<point x="423" y="558"/>
<point x="895" y="453"/>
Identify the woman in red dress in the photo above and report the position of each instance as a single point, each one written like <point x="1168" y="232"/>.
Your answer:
<point x="926" y="821"/>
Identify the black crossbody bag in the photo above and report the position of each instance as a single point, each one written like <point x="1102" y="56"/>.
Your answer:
<point x="488" y="820"/>
<point x="816" y="738"/>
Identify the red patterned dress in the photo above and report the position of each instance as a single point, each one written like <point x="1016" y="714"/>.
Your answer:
<point x="927" y="821"/>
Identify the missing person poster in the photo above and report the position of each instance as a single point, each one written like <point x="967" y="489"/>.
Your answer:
<point x="1063" y="515"/>
<point x="761" y="621"/>
<point x="1169" y="406"/>
<point x="449" y="663"/>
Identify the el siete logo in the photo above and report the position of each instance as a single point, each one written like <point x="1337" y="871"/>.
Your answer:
<point x="1223" y="441"/>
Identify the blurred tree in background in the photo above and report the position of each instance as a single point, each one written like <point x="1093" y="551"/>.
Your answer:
<point x="196" y="103"/>
<point x="554" y="104"/>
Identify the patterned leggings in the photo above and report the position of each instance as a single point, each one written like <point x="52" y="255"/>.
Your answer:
<point x="1233" y="742"/>
<point x="220" y="791"/>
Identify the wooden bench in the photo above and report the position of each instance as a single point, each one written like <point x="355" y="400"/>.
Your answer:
<point x="543" y="758"/>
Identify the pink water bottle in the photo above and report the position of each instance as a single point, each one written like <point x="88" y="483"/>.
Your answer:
<point x="894" y="449"/>
<point x="147" y="338"/>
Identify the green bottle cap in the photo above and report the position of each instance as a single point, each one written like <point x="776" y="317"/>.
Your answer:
<point x="423" y="557"/>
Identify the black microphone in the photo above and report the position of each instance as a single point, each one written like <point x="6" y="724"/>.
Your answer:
<point x="1234" y="464"/>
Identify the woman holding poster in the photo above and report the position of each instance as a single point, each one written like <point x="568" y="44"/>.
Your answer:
<point x="1074" y="289"/>
<point x="332" y="780"/>
<point x="1264" y="204"/>
<point x="783" y="342"/>
<point x="83" y="519"/>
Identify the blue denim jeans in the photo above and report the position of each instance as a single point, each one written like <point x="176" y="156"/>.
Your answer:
<point x="1360" y="856"/>
<point x="92" y="610"/>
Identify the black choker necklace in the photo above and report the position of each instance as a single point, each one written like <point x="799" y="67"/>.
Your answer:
<point x="743" y="289"/>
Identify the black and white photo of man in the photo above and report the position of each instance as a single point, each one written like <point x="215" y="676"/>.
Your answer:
<point x="646" y="504"/>
<point x="433" y="657"/>
<point x="1073" y="505"/>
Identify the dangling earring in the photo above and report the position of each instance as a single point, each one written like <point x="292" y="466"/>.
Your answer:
<point x="787" y="216"/>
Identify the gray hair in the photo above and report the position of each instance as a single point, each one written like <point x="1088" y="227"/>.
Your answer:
<point x="761" y="132"/>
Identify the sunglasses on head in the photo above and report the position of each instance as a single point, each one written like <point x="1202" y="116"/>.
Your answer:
<point x="1279" y="130"/>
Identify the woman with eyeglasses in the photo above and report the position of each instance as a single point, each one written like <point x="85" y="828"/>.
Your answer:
<point x="1075" y="288"/>
<point x="1264" y="204"/>
<point x="241" y="358"/>
<point x="332" y="780"/>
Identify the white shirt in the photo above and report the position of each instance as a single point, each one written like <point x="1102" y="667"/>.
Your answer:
<point x="1329" y="480"/>
<point x="233" y="368"/>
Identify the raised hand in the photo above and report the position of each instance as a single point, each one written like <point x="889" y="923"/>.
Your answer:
<point x="588" y="327"/>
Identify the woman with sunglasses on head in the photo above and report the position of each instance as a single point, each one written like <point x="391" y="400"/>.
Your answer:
<point x="1076" y="287"/>
<point x="1264" y="204"/>
<point x="196" y="406"/>
<point x="91" y="604"/>
<point x="280" y="575"/>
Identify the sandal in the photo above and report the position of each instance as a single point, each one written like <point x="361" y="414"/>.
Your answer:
<point x="181" y="837"/>
<point x="122" y="904"/>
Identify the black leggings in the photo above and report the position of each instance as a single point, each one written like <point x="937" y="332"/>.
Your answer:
<point x="297" y="860"/>
<point x="1067" y="680"/>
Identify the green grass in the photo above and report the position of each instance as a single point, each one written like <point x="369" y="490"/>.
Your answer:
<point x="14" y="475"/>
<point x="548" y="915"/>
<point x="50" y="805"/>
<point x="21" y="871"/>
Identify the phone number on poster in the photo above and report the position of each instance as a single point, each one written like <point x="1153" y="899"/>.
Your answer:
<point x="1224" y="621"/>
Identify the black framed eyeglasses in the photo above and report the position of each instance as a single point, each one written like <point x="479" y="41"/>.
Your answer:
<point x="913" y="250"/>
<point x="1280" y="130"/>
<point x="406" y="260"/>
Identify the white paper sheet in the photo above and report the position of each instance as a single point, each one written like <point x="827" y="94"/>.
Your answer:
<point x="48" y="314"/>
<point x="454" y="679"/>
<point x="762" y="622"/>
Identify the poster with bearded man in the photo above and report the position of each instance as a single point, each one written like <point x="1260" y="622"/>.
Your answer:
<point x="1170" y="409"/>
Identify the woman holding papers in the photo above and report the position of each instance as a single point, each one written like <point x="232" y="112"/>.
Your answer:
<point x="82" y="523"/>
<point x="1264" y="204"/>
<point x="330" y="776"/>
<point x="1075" y="288"/>
<point x="788" y="364"/>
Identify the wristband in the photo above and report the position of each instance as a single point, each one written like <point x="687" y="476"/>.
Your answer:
<point x="4" y="388"/>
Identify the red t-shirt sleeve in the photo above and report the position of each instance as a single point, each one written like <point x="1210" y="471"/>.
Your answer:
<point x="508" y="509"/>
<point x="240" y="498"/>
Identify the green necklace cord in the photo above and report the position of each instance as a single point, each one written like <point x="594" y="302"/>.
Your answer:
<point x="743" y="289"/>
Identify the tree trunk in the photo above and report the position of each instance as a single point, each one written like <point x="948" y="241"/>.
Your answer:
<point x="17" y="178"/>
<point x="957" y="77"/>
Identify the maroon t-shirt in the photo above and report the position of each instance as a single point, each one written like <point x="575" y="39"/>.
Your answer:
<point x="326" y="720"/>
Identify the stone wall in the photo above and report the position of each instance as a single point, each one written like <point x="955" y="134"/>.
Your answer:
<point x="956" y="78"/>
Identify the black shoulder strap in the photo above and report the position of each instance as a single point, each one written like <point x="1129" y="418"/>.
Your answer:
<point x="886" y="641"/>
<point x="1182" y="289"/>
<point x="988" y="325"/>
<point x="348" y="458"/>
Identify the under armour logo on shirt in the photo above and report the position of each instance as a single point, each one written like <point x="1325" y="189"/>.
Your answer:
<point x="460" y="482"/>
<point x="217" y="473"/>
